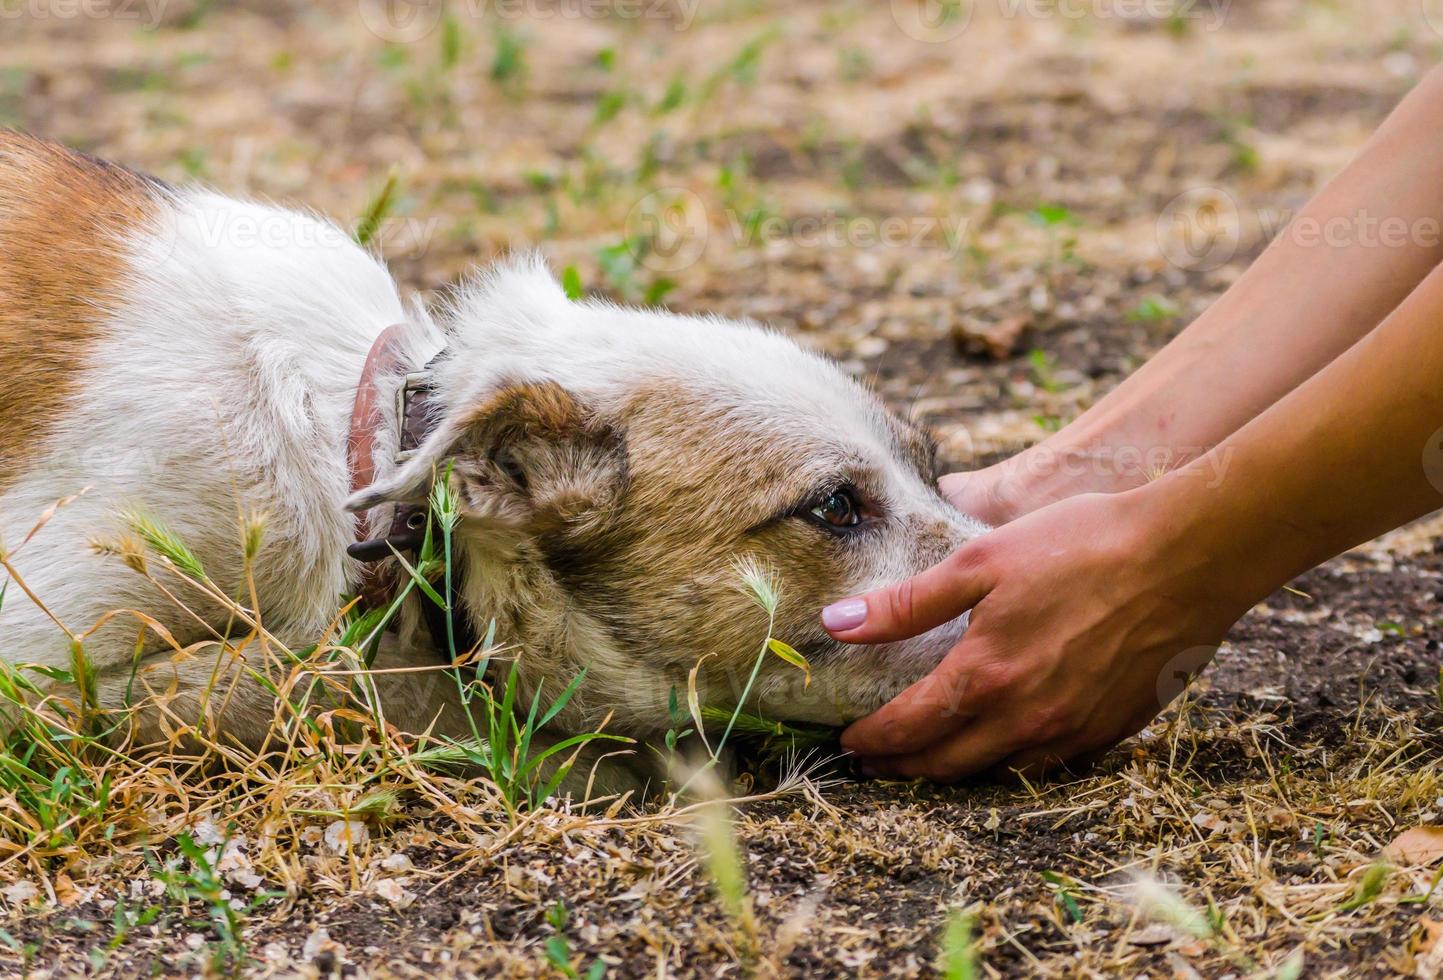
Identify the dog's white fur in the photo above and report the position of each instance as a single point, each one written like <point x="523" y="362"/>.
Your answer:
<point x="222" y="384"/>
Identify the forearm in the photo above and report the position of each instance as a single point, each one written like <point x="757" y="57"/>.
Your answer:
<point x="1346" y="456"/>
<point x="1327" y="280"/>
<point x="1087" y="615"/>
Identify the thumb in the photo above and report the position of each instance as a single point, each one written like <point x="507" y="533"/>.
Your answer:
<point x="936" y="596"/>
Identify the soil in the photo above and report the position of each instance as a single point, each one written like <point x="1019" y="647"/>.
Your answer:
<point x="1264" y="798"/>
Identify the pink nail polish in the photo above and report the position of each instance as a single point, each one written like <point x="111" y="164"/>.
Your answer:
<point x="845" y="615"/>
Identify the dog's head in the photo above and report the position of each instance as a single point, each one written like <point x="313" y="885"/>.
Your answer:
<point x="617" y="467"/>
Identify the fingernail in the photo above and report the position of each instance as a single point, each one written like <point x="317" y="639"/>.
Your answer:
<point x="845" y="615"/>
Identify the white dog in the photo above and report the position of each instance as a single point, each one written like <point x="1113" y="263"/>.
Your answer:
<point x="197" y="358"/>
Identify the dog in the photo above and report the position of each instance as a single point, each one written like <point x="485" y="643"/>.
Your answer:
<point x="177" y="353"/>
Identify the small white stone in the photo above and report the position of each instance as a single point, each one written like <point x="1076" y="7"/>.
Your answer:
<point x="870" y="347"/>
<point x="344" y="835"/>
<point x="1210" y="822"/>
<point x="1154" y="935"/>
<point x="397" y="864"/>
<point x="247" y="879"/>
<point x="1400" y="64"/>
<point x="233" y="856"/>
<point x="390" y="889"/>
<point x="205" y="832"/>
<point x="21" y="892"/>
<point x="319" y="941"/>
<point x="979" y="190"/>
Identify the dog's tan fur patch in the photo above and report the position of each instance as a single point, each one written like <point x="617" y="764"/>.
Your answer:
<point x="705" y="491"/>
<point x="64" y="220"/>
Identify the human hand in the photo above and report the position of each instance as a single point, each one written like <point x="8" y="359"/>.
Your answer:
<point x="988" y="494"/>
<point x="1040" y="475"/>
<point x="1082" y="613"/>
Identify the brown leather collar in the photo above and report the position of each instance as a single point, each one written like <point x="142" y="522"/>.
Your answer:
<point x="407" y="529"/>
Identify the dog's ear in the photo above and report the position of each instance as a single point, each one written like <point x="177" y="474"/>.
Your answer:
<point x="531" y="456"/>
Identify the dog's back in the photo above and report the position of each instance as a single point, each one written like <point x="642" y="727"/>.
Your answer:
<point x="177" y="351"/>
<point x="64" y="223"/>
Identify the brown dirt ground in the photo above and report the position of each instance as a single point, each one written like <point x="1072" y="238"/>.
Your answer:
<point x="1309" y="746"/>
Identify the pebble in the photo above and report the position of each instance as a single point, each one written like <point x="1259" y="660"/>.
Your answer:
<point x="344" y="835"/>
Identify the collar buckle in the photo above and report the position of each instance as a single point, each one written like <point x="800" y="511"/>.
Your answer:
<point x="413" y="382"/>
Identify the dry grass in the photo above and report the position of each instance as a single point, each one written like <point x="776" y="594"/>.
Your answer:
<point x="1243" y="834"/>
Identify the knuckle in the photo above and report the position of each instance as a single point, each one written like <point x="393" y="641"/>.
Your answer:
<point x="893" y="737"/>
<point x="901" y="601"/>
<point x="987" y="681"/>
<point x="941" y="693"/>
<point x="974" y="563"/>
<point x="1051" y="723"/>
<point x="970" y="556"/>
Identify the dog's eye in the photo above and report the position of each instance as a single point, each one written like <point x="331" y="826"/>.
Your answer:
<point x="839" y="509"/>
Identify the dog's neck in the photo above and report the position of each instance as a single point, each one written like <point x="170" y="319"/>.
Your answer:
<point x="396" y="407"/>
<point x="387" y="357"/>
<point x="388" y="377"/>
<point x="400" y="528"/>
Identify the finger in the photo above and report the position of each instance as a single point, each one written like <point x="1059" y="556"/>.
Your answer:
<point x="973" y="749"/>
<point x="935" y="706"/>
<point x="1044" y="761"/>
<point x="975" y="494"/>
<point x="923" y="602"/>
<point x="1074" y="756"/>
<point x="965" y="491"/>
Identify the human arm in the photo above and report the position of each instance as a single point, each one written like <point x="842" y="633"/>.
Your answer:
<point x="1343" y="263"/>
<point x="1081" y="606"/>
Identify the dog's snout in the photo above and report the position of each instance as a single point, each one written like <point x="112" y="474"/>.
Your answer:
<point x="937" y="537"/>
